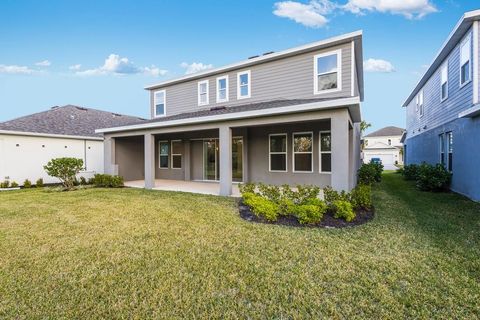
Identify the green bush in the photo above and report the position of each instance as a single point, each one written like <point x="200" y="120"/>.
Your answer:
<point x="14" y="184"/>
<point x="343" y="209"/>
<point x="261" y="206"/>
<point x="39" y="183"/>
<point x="433" y="177"/>
<point x="27" y="184"/>
<point x="106" y="181"/>
<point x="361" y="197"/>
<point x="286" y="207"/>
<point x="5" y="184"/>
<point x="369" y="173"/>
<point x="310" y="213"/>
<point x="270" y="192"/>
<point x="410" y="172"/>
<point x="330" y="196"/>
<point x="83" y="181"/>
<point x="65" y="169"/>
<point x="247" y="188"/>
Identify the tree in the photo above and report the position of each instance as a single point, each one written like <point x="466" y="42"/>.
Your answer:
<point x="364" y="126"/>
<point x="65" y="169"/>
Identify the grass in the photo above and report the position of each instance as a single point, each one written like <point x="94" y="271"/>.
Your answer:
<point x="126" y="253"/>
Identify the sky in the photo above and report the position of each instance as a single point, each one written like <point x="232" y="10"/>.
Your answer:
<point x="101" y="54"/>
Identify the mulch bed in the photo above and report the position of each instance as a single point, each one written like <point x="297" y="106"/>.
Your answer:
<point x="328" y="220"/>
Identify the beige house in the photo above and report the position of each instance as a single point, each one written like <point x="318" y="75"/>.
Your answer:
<point x="384" y="145"/>
<point x="290" y="117"/>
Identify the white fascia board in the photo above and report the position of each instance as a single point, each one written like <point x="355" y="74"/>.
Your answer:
<point x="447" y="46"/>
<point x="257" y="60"/>
<point x="240" y="115"/>
<point x="48" y="135"/>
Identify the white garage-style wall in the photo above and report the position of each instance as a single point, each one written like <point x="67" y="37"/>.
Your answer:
<point x="23" y="156"/>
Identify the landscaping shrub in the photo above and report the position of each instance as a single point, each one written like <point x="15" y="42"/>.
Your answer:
<point x="261" y="206"/>
<point x="14" y="185"/>
<point x="306" y="194"/>
<point x="310" y="213"/>
<point x="247" y="188"/>
<point x="410" y="172"/>
<point x="433" y="177"/>
<point x="270" y="192"/>
<point x="370" y="173"/>
<point x="343" y="209"/>
<point x="39" y="183"/>
<point x="5" y="184"/>
<point x="27" y="184"/>
<point x="65" y="169"/>
<point x="330" y="196"/>
<point x="107" y="181"/>
<point x="83" y="181"/>
<point x="361" y="197"/>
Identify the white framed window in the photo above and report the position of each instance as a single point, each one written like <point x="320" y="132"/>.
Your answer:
<point x="325" y="144"/>
<point x="441" y="147"/>
<point x="163" y="151"/>
<point x="450" y="151"/>
<point x="444" y="82"/>
<point x="222" y="89"/>
<point x="277" y="151"/>
<point x="244" y="87"/>
<point x="176" y="147"/>
<point x="203" y="93"/>
<point x="465" y="52"/>
<point x="303" y="152"/>
<point x="160" y="107"/>
<point x="327" y="72"/>
<point x="420" y="108"/>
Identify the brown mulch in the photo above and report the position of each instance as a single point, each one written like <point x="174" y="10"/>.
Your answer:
<point x="328" y="221"/>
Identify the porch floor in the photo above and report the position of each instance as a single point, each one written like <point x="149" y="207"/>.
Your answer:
<point x="202" y="187"/>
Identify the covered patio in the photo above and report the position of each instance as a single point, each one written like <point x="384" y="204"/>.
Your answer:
<point x="202" y="187"/>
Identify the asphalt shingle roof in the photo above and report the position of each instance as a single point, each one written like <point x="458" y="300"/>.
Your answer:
<point x="69" y="120"/>
<point x="387" y="131"/>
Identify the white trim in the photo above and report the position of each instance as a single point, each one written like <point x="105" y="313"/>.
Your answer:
<point x="329" y="104"/>
<point x="200" y="103"/>
<point x="466" y="38"/>
<point x="320" y="152"/>
<point x="308" y="47"/>
<point x="303" y="152"/>
<point x="218" y="89"/>
<point x="338" y="71"/>
<point x="175" y="154"/>
<point x="444" y="65"/>
<point x="155" y="103"/>
<point x="270" y="152"/>
<point x="160" y="155"/>
<point x="476" y="56"/>
<point x="353" y="69"/>
<point x="421" y="105"/>
<point x="249" y="85"/>
<point x="48" y="135"/>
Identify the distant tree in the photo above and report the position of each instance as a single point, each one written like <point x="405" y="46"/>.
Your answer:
<point x="364" y="126"/>
<point x="65" y="169"/>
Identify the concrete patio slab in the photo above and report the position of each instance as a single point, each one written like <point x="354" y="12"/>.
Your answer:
<point x="201" y="187"/>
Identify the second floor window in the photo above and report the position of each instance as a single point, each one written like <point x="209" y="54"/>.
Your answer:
<point x="327" y="72"/>
<point x="444" y="82"/>
<point x="243" y="85"/>
<point x="159" y="103"/>
<point x="222" y="89"/>
<point x="420" y="103"/>
<point x="203" y="93"/>
<point x="465" y="48"/>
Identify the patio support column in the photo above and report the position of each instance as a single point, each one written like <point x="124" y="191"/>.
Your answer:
<point x="340" y="154"/>
<point x="109" y="166"/>
<point x="149" y="161"/>
<point x="186" y="160"/>
<point x="225" y="160"/>
<point x="245" y="155"/>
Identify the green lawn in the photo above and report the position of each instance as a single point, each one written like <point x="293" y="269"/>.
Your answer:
<point x="130" y="253"/>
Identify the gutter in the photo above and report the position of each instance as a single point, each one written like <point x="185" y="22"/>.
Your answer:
<point x="49" y="135"/>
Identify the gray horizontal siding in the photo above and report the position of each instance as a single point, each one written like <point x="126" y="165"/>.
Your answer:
<point x="288" y="78"/>
<point x="437" y="112"/>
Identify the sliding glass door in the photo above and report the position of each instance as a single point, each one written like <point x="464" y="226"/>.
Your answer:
<point x="211" y="159"/>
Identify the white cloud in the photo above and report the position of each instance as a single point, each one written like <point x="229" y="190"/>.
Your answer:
<point x="411" y="9"/>
<point x="195" y="67"/>
<point x="310" y="15"/>
<point x="378" y="65"/>
<point x="75" y="67"/>
<point x="14" y="69"/>
<point x="44" y="63"/>
<point x="114" y="64"/>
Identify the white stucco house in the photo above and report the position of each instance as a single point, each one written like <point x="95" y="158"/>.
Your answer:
<point x="28" y="143"/>
<point x="384" y="144"/>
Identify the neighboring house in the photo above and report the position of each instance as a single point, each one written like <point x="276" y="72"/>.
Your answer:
<point x="28" y="143"/>
<point x="443" y="110"/>
<point x="384" y="144"/>
<point x="291" y="117"/>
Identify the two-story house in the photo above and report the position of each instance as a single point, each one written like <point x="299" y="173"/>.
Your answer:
<point x="443" y="111"/>
<point x="384" y="145"/>
<point x="290" y="117"/>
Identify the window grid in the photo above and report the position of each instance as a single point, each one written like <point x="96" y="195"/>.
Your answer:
<point x="175" y="155"/>
<point x="163" y="150"/>
<point x="270" y="152"/>
<point x="203" y="93"/>
<point x="310" y="134"/>
<point x="323" y="151"/>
